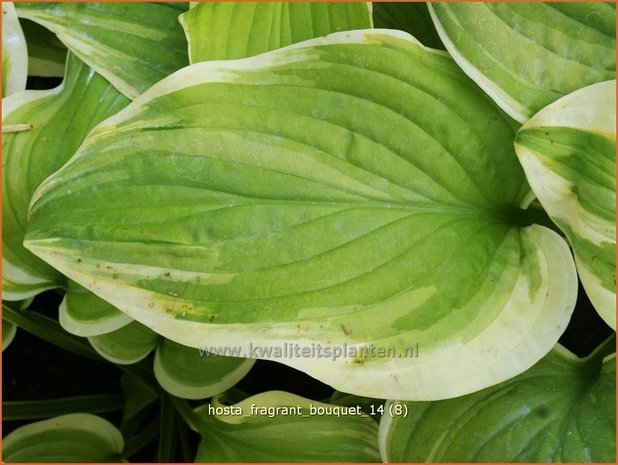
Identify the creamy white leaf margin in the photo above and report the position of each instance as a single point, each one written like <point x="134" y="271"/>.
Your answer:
<point x="537" y="320"/>
<point x="76" y="320"/>
<point x="524" y="44"/>
<point x="87" y="328"/>
<point x="110" y="62"/>
<point x="184" y="389"/>
<point x="66" y="438"/>
<point x="127" y="345"/>
<point x="502" y="98"/>
<point x="559" y="367"/>
<point x="593" y="109"/>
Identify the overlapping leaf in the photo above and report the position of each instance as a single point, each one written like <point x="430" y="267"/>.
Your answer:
<point x="183" y="371"/>
<point x="84" y="314"/>
<point x="357" y="194"/>
<point x="257" y="435"/>
<point x="72" y="438"/>
<point x="568" y="151"/>
<point x="133" y="45"/>
<point x="193" y="374"/>
<point x="526" y="55"/>
<point x="60" y="119"/>
<point x="127" y="345"/>
<point x="9" y="327"/>
<point x="8" y="333"/>
<point x="228" y="30"/>
<point x="14" y="52"/>
<point x="561" y="410"/>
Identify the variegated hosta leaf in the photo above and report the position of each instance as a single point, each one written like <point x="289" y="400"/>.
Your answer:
<point x="412" y="17"/>
<point x="8" y="333"/>
<point x="46" y="54"/>
<point x="568" y="151"/>
<point x="561" y="410"/>
<point x="356" y="194"/>
<point x="60" y="119"/>
<point x="126" y="345"/>
<point x="14" y="52"/>
<point x="133" y="45"/>
<point x="260" y="429"/>
<point x="228" y="30"/>
<point x="194" y="374"/>
<point x="84" y="314"/>
<point x="527" y="55"/>
<point x="77" y="437"/>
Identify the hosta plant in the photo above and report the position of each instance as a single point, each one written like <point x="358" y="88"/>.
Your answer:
<point x="396" y="200"/>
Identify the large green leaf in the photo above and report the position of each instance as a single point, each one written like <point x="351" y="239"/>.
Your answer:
<point x="193" y="374"/>
<point x="38" y="409"/>
<point x="568" y="151"/>
<point x="263" y="429"/>
<point x="561" y="410"/>
<point x="228" y="30"/>
<point x="296" y="205"/>
<point x="133" y="45"/>
<point x="411" y="17"/>
<point x="84" y="314"/>
<point x="77" y="437"/>
<point x="14" y="52"/>
<point x="60" y="119"/>
<point x="526" y="55"/>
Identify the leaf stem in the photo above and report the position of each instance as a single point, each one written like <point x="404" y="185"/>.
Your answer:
<point x="188" y="454"/>
<point x="167" y="430"/>
<point x="141" y="439"/>
<point x="186" y="413"/>
<point x="34" y="409"/>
